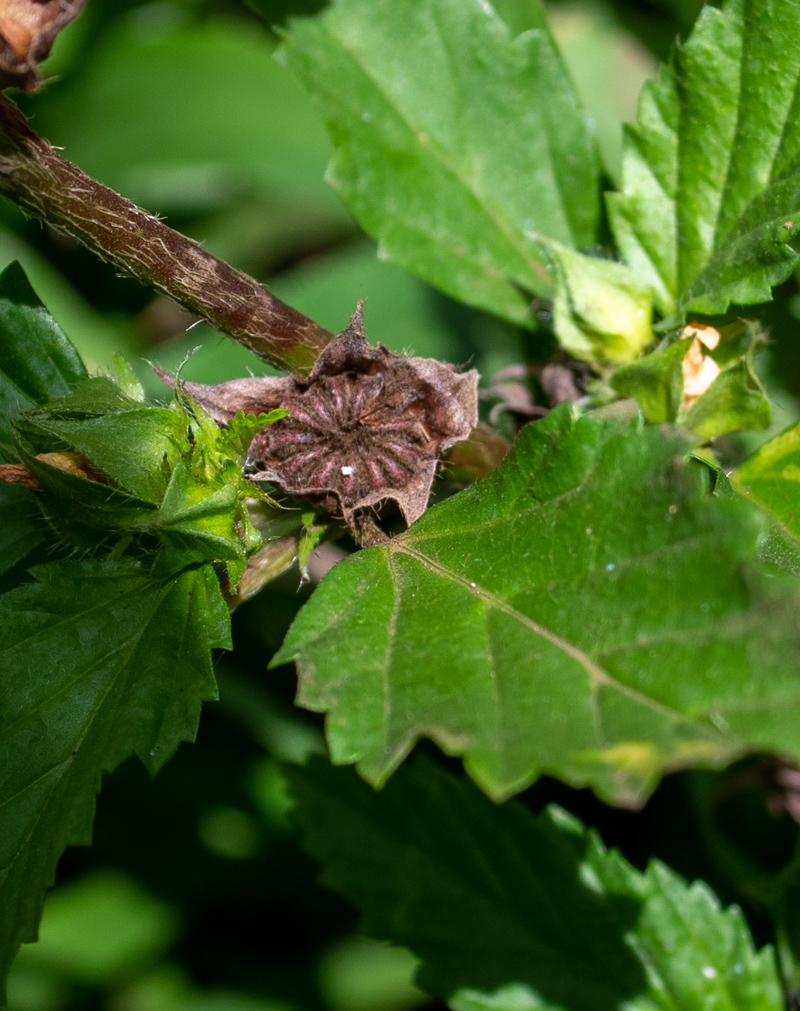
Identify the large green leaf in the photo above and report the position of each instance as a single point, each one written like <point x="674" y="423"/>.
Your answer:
<point x="457" y="144"/>
<point x="99" y="662"/>
<point x="37" y="362"/>
<point x="517" y="913"/>
<point x="585" y="611"/>
<point x="711" y="182"/>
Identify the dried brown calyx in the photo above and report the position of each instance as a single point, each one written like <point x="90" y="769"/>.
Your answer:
<point x="365" y="426"/>
<point x="28" y="29"/>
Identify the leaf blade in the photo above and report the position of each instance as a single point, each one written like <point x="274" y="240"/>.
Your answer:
<point x="508" y="911"/>
<point x="37" y="361"/>
<point x="101" y="663"/>
<point x="417" y="97"/>
<point x="517" y="624"/>
<point x="710" y="170"/>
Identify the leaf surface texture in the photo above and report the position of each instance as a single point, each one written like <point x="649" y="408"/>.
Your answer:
<point x="509" y="911"/>
<point x="439" y="97"/>
<point x="710" y="199"/>
<point x="587" y="611"/>
<point x="99" y="662"/>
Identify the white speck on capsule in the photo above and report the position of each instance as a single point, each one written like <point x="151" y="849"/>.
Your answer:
<point x="347" y="471"/>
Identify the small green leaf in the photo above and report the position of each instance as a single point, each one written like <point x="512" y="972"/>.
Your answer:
<point x="37" y="361"/>
<point x="199" y="518"/>
<point x="439" y="97"/>
<point x="771" y="478"/>
<point x="588" y="611"/>
<point x="656" y="380"/>
<point x="100" y="662"/>
<point x="126" y="379"/>
<point x="733" y="402"/>
<point x="84" y="512"/>
<point x="710" y="200"/>
<point x="509" y="911"/>
<point x="602" y="313"/>
<point x="176" y="474"/>
<point x="135" y="444"/>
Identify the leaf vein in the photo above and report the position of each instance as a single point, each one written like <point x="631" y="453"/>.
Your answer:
<point x="598" y="677"/>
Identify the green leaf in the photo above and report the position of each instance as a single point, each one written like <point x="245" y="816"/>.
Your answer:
<point x="82" y="512"/>
<point x="178" y="473"/>
<point x="710" y="198"/>
<point x="735" y="401"/>
<point x="771" y="478"/>
<point x="510" y="911"/>
<point x="585" y="611"/>
<point x="601" y="311"/>
<point x="127" y="380"/>
<point x="22" y="527"/>
<point x="427" y="97"/>
<point x="135" y="444"/>
<point x="37" y="362"/>
<point x="100" y="662"/>
<point x="656" y="380"/>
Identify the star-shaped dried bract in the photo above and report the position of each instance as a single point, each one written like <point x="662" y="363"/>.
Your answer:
<point x="28" y="29"/>
<point x="367" y="424"/>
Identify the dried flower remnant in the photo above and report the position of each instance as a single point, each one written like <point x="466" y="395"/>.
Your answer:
<point x="699" y="369"/>
<point x="365" y="426"/>
<point x="70" y="463"/>
<point x="28" y="29"/>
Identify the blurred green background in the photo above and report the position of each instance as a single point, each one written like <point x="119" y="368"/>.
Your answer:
<point x="195" y="895"/>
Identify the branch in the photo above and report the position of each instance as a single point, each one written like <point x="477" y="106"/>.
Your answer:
<point x="36" y="177"/>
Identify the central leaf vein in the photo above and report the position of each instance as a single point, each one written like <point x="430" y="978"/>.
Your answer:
<point x="598" y="677"/>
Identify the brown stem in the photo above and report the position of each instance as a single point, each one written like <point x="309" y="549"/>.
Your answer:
<point x="36" y="177"/>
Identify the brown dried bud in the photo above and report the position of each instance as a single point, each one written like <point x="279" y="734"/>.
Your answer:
<point x="28" y="29"/>
<point x="365" y="426"/>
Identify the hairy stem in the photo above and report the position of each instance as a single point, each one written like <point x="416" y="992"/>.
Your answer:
<point x="35" y="176"/>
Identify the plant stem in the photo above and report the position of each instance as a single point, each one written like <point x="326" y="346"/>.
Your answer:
<point x="35" y="176"/>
